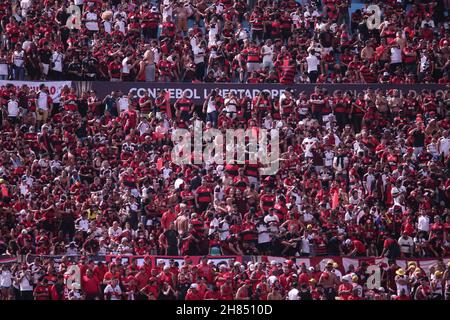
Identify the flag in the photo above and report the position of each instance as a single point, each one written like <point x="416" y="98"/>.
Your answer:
<point x="168" y="108"/>
<point x="335" y="200"/>
<point x="159" y="164"/>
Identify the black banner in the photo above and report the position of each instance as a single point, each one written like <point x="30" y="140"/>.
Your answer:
<point x="199" y="91"/>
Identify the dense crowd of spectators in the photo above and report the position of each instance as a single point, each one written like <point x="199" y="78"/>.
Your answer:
<point x="225" y="41"/>
<point x="44" y="279"/>
<point x="361" y="175"/>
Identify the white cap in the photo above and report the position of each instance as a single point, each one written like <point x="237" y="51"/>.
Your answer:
<point x="347" y="278"/>
<point x="194" y="286"/>
<point x="237" y="264"/>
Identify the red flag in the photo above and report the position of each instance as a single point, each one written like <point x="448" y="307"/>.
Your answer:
<point x="169" y="110"/>
<point x="159" y="164"/>
<point x="335" y="200"/>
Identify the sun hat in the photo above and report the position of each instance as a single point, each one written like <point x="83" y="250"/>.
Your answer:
<point x="400" y="272"/>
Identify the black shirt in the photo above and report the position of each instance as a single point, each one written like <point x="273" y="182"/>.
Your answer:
<point x="45" y="55"/>
<point x="418" y="139"/>
<point x="82" y="107"/>
<point x="74" y="67"/>
<point x="305" y="295"/>
<point x="172" y="238"/>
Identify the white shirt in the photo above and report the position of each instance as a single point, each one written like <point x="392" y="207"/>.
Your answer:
<point x="25" y="285"/>
<point x="18" y="58"/>
<point x="115" y="292"/>
<point x="42" y="100"/>
<point x="114" y="233"/>
<point x="156" y="54"/>
<point x="307" y="144"/>
<point x="396" y="192"/>
<point x="271" y="280"/>
<point x="271" y="219"/>
<point x="329" y="156"/>
<point x="348" y="216"/>
<point x="263" y="237"/>
<point x="267" y="53"/>
<point x="92" y="25"/>
<point x="444" y="146"/>
<point x="312" y="62"/>
<point x="211" y="106"/>
<point x="143" y="127"/>
<point x="305" y="244"/>
<point x="166" y="173"/>
<point x="123" y="104"/>
<point x="230" y="104"/>
<point x="57" y="59"/>
<point x="5" y="279"/>
<point x="3" y="68"/>
<point x="178" y="183"/>
<point x="121" y="25"/>
<point x="338" y="273"/>
<point x="212" y="33"/>
<point x="424" y="63"/>
<point x="430" y="24"/>
<point x="83" y="224"/>
<point x="308" y="14"/>
<point x="199" y="55"/>
<point x="108" y="26"/>
<point x="213" y="226"/>
<point x="167" y="11"/>
<point x="293" y="294"/>
<point x="13" y="108"/>
<point x="307" y="217"/>
<point x="125" y="68"/>
<point x="423" y="223"/>
<point x="25" y="4"/>
<point x="396" y="55"/>
<point x="242" y="35"/>
<point x="225" y="230"/>
<point x="405" y="244"/>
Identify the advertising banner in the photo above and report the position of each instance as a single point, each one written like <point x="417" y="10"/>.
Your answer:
<point x="199" y="91"/>
<point x="53" y="86"/>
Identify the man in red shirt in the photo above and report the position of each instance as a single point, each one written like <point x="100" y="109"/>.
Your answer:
<point x="193" y="293"/>
<point x="184" y="107"/>
<point x="90" y="285"/>
<point x="42" y="290"/>
<point x="203" y="196"/>
<point x="115" y="70"/>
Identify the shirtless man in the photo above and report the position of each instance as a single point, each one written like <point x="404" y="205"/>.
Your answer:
<point x="329" y="281"/>
<point x="275" y="294"/>
<point x="367" y="53"/>
<point x="182" y="14"/>
<point x="182" y="222"/>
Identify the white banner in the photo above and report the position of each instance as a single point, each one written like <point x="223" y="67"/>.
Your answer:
<point x="425" y="265"/>
<point x="346" y="262"/>
<point x="54" y="87"/>
<point x="306" y="261"/>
